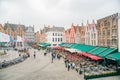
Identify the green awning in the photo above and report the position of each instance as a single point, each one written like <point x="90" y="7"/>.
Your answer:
<point x="106" y="52"/>
<point x="61" y="44"/>
<point x="98" y="51"/>
<point x="84" y="48"/>
<point x="65" y="44"/>
<point x="71" y="45"/>
<point x="2" y="43"/>
<point x="114" y="56"/>
<point x="44" y="44"/>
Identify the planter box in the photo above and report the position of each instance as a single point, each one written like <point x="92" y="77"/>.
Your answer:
<point x="106" y="74"/>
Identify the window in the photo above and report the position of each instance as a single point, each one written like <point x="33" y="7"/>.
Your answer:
<point x="58" y="39"/>
<point x="53" y="39"/>
<point x="54" y="44"/>
<point x="61" y="39"/>
<point x="53" y="34"/>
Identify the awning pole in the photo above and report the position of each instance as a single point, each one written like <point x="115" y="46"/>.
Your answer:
<point x="104" y="62"/>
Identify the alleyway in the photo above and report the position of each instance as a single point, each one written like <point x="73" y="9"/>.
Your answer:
<point x="40" y="68"/>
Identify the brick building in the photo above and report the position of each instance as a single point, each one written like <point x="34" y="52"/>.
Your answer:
<point x="108" y="31"/>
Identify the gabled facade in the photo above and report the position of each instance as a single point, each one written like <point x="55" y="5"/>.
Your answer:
<point x="82" y="34"/>
<point x="78" y="34"/>
<point x="91" y="34"/>
<point x="72" y="33"/>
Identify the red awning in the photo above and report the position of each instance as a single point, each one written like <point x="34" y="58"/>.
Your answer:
<point x="58" y="47"/>
<point x="90" y="56"/>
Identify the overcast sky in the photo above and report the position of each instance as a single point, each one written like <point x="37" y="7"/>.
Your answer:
<point x="55" y="12"/>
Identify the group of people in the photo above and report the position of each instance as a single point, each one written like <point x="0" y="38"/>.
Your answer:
<point x="54" y="56"/>
<point x="69" y="65"/>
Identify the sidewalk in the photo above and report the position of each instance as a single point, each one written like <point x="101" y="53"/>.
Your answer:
<point x="9" y="56"/>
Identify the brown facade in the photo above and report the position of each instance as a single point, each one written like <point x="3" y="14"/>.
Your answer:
<point x="108" y="31"/>
<point x="37" y="37"/>
<point x="42" y="37"/>
<point x="82" y="34"/>
<point x="14" y="30"/>
<point x="1" y="28"/>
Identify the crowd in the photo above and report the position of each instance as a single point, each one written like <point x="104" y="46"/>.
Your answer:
<point x="85" y="64"/>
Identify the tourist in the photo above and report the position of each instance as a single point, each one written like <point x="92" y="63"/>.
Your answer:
<point x="34" y="54"/>
<point x="68" y="65"/>
<point x="58" y="56"/>
<point x="53" y="56"/>
<point x="65" y="62"/>
<point x="73" y="65"/>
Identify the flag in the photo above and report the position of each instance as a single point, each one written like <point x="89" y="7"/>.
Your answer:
<point x="11" y="39"/>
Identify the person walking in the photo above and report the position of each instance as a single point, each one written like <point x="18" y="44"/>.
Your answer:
<point x="34" y="55"/>
<point x="58" y="56"/>
<point x="65" y="63"/>
<point x="73" y="65"/>
<point x="53" y="56"/>
<point x="68" y="66"/>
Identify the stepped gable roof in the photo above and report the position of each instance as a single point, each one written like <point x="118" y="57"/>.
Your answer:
<point x="76" y="27"/>
<point x="67" y="31"/>
<point x="13" y="26"/>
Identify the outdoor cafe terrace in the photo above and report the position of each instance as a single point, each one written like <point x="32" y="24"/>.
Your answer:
<point x="93" y="59"/>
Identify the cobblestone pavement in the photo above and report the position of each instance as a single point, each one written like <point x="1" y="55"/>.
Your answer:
<point x="40" y="68"/>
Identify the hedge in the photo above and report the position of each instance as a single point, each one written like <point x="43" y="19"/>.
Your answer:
<point x="105" y="74"/>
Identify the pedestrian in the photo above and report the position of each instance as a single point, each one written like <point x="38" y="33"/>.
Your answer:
<point x="73" y="65"/>
<point x="53" y="56"/>
<point x="68" y="66"/>
<point x="58" y="56"/>
<point x="65" y="62"/>
<point x="34" y="55"/>
<point x="19" y="54"/>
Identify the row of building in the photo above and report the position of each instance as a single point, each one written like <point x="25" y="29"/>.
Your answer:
<point x="106" y="33"/>
<point x="27" y="33"/>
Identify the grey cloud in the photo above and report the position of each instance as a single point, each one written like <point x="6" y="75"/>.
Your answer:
<point x="55" y="12"/>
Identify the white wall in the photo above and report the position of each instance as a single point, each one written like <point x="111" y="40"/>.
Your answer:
<point x="49" y="37"/>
